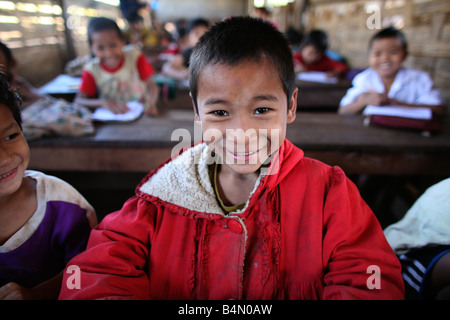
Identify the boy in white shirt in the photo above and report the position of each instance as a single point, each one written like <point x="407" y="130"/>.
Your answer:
<point x="386" y="82"/>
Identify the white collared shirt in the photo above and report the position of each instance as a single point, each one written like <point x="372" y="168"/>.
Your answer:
<point x="409" y="86"/>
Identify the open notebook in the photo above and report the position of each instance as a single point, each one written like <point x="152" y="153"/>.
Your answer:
<point x="62" y="84"/>
<point x="316" y="76"/>
<point x="136" y="110"/>
<point x="401" y="112"/>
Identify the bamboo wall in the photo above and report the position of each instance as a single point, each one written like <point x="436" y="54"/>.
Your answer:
<point x="35" y="29"/>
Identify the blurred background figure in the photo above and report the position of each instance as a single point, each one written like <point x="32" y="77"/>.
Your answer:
<point x="137" y="33"/>
<point x="177" y="67"/>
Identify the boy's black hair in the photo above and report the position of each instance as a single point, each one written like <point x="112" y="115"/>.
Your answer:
<point x="194" y="23"/>
<point x="10" y="99"/>
<point x="293" y="36"/>
<point x="9" y="60"/>
<point x="7" y="52"/>
<point x="240" y="39"/>
<point x="134" y="17"/>
<point x="318" y="39"/>
<point x="98" y="24"/>
<point x="390" y="32"/>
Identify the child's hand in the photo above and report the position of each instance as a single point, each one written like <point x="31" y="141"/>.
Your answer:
<point x="298" y="67"/>
<point x="333" y="74"/>
<point x="373" y="98"/>
<point x="150" y="98"/>
<point x="151" y="111"/>
<point x="115" y="106"/>
<point x="394" y="102"/>
<point x="150" y="108"/>
<point x="13" y="291"/>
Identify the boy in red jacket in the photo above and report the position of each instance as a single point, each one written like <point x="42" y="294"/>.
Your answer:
<point x="242" y="215"/>
<point x="313" y="56"/>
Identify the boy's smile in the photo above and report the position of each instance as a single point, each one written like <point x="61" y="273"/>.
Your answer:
<point x="14" y="154"/>
<point x="243" y="110"/>
<point x="107" y="46"/>
<point x="386" y="57"/>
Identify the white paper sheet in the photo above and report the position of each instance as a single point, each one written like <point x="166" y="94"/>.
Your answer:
<point x="136" y="110"/>
<point x="399" y="111"/>
<point x="62" y="84"/>
<point x="316" y="76"/>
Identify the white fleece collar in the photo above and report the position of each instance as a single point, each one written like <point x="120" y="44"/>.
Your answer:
<point x="185" y="182"/>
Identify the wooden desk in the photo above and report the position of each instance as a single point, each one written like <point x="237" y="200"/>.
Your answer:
<point x="312" y="96"/>
<point x="63" y="86"/>
<point x="315" y="96"/>
<point x="337" y="140"/>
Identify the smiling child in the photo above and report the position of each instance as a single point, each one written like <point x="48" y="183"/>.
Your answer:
<point x="387" y="82"/>
<point x="119" y="73"/>
<point x="44" y="221"/>
<point x="242" y="215"/>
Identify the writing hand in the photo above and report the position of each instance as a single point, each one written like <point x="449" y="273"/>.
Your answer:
<point x="374" y="98"/>
<point x="115" y="106"/>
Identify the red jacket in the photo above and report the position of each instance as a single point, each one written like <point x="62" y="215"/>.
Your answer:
<point x="304" y="234"/>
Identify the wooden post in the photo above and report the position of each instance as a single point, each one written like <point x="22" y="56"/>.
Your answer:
<point x="71" y="53"/>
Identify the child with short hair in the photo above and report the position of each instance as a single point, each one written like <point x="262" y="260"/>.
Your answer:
<point x="138" y="34"/>
<point x="243" y="214"/>
<point x="119" y="74"/>
<point x="44" y="222"/>
<point x="313" y="57"/>
<point x="387" y="82"/>
<point x="178" y="66"/>
<point x="27" y="92"/>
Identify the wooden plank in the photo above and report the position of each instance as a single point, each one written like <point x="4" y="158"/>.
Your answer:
<point x="312" y="96"/>
<point x="380" y="163"/>
<point x="135" y="160"/>
<point x="97" y="159"/>
<point x="336" y="140"/>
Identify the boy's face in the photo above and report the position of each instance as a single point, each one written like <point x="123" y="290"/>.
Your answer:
<point x="14" y="154"/>
<point x="243" y="110"/>
<point x="386" y="56"/>
<point x="107" y="46"/>
<point x="311" y="55"/>
<point x="136" y="26"/>
<point x="196" y="33"/>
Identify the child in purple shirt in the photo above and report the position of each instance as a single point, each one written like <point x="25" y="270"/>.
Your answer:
<point x="44" y="221"/>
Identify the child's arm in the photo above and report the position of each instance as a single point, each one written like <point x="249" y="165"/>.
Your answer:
<point x="113" y="266"/>
<point x="28" y="93"/>
<point x="363" y="100"/>
<point x="92" y="103"/>
<point x="47" y="290"/>
<point x="175" y="68"/>
<point x="151" y="98"/>
<point x="360" y="262"/>
<point x="298" y="67"/>
<point x="87" y="92"/>
<point x="335" y="68"/>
